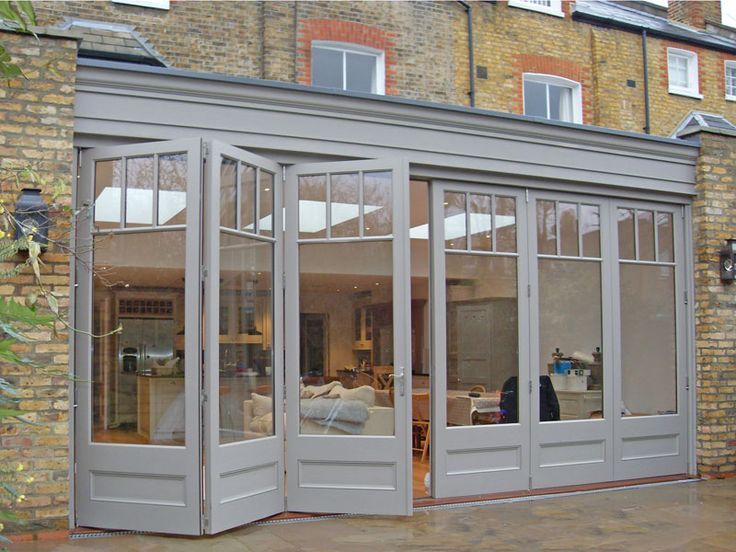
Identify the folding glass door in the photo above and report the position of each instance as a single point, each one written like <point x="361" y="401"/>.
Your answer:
<point x="480" y="444"/>
<point x="137" y="425"/>
<point x="572" y="414"/>
<point x="559" y="339"/>
<point x="348" y="337"/>
<point x="178" y="425"/>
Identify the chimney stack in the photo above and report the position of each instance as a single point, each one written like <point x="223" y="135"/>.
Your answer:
<point x="694" y="13"/>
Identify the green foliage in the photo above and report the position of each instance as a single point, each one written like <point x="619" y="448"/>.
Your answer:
<point x="20" y="16"/>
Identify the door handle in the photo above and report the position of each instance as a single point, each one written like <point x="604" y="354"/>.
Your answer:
<point x="398" y="377"/>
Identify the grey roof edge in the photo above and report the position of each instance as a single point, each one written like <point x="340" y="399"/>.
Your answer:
<point x="693" y="131"/>
<point x="544" y="128"/>
<point x="581" y="15"/>
<point x="70" y="22"/>
<point x="45" y="31"/>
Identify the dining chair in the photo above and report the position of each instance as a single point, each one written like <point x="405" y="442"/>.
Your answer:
<point x="420" y="423"/>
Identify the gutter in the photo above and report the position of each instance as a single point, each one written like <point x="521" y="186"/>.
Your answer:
<point x="647" y="120"/>
<point x="471" y="48"/>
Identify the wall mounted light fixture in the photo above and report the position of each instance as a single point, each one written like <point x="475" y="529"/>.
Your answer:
<point x="32" y="216"/>
<point x="728" y="261"/>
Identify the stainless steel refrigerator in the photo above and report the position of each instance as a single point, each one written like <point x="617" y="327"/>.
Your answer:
<point x="142" y="342"/>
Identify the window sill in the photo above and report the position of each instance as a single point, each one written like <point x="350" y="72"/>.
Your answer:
<point x="684" y="92"/>
<point x="730" y="98"/>
<point x="533" y="7"/>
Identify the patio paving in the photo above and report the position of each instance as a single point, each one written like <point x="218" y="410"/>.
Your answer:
<point x="694" y="516"/>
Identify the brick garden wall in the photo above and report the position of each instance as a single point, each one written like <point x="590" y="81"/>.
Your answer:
<point x="715" y="304"/>
<point x="36" y="129"/>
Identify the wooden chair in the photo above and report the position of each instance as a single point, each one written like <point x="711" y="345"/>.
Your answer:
<point x="364" y="378"/>
<point x="420" y="423"/>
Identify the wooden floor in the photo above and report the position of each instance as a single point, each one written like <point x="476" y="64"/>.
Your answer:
<point x="419" y="470"/>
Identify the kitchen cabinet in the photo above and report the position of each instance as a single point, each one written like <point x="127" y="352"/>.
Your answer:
<point x="155" y="396"/>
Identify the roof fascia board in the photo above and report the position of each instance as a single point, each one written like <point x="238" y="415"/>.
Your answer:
<point x="217" y="88"/>
<point x="447" y="136"/>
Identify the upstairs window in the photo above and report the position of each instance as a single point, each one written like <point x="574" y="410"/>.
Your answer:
<point x="348" y="67"/>
<point x="553" y="98"/>
<point x="682" y="69"/>
<point x="550" y="7"/>
<point x="730" y="79"/>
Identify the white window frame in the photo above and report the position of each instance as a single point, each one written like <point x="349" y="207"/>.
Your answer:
<point x="554" y="8"/>
<point x="379" y="86"/>
<point x="729" y="64"/>
<point x="156" y="4"/>
<point x="693" y="88"/>
<point x="728" y="13"/>
<point x="574" y="86"/>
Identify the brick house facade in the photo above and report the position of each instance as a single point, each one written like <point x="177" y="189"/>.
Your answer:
<point x="427" y="58"/>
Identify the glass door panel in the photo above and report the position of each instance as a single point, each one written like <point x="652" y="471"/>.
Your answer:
<point x="651" y="423"/>
<point x="481" y="423"/>
<point x="348" y="336"/>
<point x="137" y="422"/>
<point x="571" y="383"/>
<point x="243" y="369"/>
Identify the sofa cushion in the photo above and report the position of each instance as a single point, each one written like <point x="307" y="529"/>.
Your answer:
<point x="262" y="405"/>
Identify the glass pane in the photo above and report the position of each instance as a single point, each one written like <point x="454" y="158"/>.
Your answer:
<point x="590" y="226"/>
<point x="626" y="234"/>
<point x="571" y="373"/>
<point x="312" y="206"/>
<point x="546" y="228"/>
<point x="360" y="72"/>
<point x="480" y="223"/>
<point x="377" y="210"/>
<point x="346" y="389"/>
<point x="138" y="374"/>
<point x="505" y="224"/>
<point x="648" y="344"/>
<point x="665" y="238"/>
<point x="569" y="229"/>
<point x="228" y="184"/>
<point x="172" y="189"/>
<point x="139" y="191"/>
<point x="265" y="221"/>
<point x="108" y="185"/>
<point x="246" y="360"/>
<point x="455" y="221"/>
<point x="482" y="339"/>
<point x="535" y="99"/>
<point x="646" y="235"/>
<point x="247" y="198"/>
<point x="327" y="68"/>
<point x="560" y="103"/>
<point x="344" y="209"/>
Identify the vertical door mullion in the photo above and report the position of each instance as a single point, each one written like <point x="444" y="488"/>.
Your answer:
<point x="123" y="190"/>
<point x="154" y="199"/>
<point x="494" y="198"/>
<point x="361" y="205"/>
<point x="468" y="230"/>
<point x="438" y="325"/>
<point x="328" y="205"/>
<point x="257" y="206"/>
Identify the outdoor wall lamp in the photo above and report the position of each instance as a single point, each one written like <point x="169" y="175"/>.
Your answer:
<point x="728" y="261"/>
<point x="32" y="217"/>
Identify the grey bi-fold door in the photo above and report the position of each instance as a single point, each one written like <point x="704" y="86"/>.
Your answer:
<point x="179" y="365"/>
<point x="137" y="431"/>
<point x="180" y="355"/>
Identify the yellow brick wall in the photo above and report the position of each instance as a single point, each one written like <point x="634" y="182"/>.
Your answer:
<point x="715" y="303"/>
<point x="36" y="130"/>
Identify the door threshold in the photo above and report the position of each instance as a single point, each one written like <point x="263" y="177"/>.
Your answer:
<point x="421" y="503"/>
